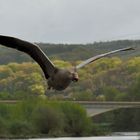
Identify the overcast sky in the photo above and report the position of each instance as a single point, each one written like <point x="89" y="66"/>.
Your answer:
<point x="70" y="21"/>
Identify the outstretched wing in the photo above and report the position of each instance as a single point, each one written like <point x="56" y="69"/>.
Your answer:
<point x="94" y="58"/>
<point x="31" y="49"/>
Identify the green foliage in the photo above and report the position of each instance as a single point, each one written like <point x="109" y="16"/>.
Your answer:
<point x="83" y="95"/>
<point x="135" y="90"/>
<point x="49" y="120"/>
<point x="110" y="93"/>
<point x="19" y="80"/>
<point x="20" y="128"/>
<point x="106" y="79"/>
<point x="43" y="118"/>
<point x="75" y="118"/>
<point x="127" y="122"/>
<point x="3" y="127"/>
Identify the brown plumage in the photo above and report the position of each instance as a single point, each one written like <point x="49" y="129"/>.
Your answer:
<point x="58" y="78"/>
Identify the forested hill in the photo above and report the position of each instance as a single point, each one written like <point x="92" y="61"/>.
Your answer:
<point x="72" y="52"/>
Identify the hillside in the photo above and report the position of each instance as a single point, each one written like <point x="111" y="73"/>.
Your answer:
<point x="105" y="77"/>
<point x="71" y="52"/>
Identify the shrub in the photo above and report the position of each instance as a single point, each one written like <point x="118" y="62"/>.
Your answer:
<point x="76" y="120"/>
<point x="44" y="118"/>
<point x="20" y="128"/>
<point x="3" y="127"/>
<point x="48" y="120"/>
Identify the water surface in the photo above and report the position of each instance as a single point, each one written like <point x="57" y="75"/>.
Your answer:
<point x="99" y="138"/>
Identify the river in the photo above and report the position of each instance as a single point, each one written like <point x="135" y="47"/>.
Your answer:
<point x="98" y="138"/>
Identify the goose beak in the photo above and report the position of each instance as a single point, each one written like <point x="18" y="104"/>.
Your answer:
<point x="75" y="77"/>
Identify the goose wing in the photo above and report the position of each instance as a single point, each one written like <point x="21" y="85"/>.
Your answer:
<point x="31" y="49"/>
<point x="94" y="58"/>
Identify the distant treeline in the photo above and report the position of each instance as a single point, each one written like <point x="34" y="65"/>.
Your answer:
<point x="71" y="52"/>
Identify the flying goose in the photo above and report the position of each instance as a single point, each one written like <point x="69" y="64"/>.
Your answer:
<point x="58" y="78"/>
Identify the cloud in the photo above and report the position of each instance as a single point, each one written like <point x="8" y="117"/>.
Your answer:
<point x="70" y="21"/>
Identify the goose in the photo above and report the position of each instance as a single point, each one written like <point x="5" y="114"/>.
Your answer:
<point x="57" y="78"/>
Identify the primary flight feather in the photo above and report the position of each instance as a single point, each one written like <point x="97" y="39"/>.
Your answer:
<point x="58" y="79"/>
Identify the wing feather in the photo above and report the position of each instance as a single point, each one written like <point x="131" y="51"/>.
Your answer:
<point x="31" y="49"/>
<point x="94" y="58"/>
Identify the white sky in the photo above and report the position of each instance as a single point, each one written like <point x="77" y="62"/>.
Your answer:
<point x="70" y="21"/>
